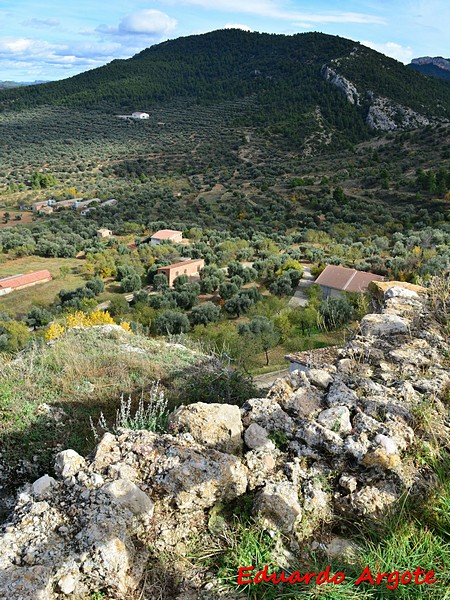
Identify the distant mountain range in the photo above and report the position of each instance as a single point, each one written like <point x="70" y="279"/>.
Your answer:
<point x="7" y="85"/>
<point x="298" y="86"/>
<point x="436" y="66"/>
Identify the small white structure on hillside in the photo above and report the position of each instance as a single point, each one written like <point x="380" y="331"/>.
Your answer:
<point x="166" y="235"/>
<point x="104" y="233"/>
<point x="140" y="115"/>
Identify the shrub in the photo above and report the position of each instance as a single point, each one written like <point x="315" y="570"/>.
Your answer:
<point x="150" y="414"/>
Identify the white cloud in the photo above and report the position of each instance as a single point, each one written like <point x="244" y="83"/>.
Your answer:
<point x="33" y="57"/>
<point x="150" y="22"/>
<point x="403" y="54"/>
<point x="274" y="9"/>
<point x="153" y="23"/>
<point x="237" y="26"/>
<point x="41" y="23"/>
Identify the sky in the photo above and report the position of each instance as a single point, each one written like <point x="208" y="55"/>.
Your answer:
<point x="48" y="40"/>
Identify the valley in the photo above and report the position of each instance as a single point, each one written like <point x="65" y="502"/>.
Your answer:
<point x="266" y="162"/>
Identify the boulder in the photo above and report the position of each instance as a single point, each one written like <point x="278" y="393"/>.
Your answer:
<point x="128" y="495"/>
<point x="303" y="403"/>
<point x="341" y="395"/>
<point x="256" y="437"/>
<point x="384" y="325"/>
<point x="217" y="426"/>
<point x="320" y="378"/>
<point x="267" y="413"/>
<point x="337" y="419"/>
<point x="68" y="463"/>
<point x="43" y="486"/>
<point x="278" y="504"/>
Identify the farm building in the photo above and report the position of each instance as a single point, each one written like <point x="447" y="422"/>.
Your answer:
<point x="18" y="282"/>
<point x="36" y="206"/>
<point x="104" y="233"/>
<point x="185" y="267"/>
<point x="334" y="280"/>
<point x="66" y="203"/>
<point x="140" y="115"/>
<point x="167" y="235"/>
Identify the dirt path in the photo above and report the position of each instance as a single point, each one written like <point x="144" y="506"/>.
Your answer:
<point x="263" y="382"/>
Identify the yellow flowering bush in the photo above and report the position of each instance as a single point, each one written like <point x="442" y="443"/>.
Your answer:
<point x="81" y="319"/>
<point x="126" y="326"/>
<point x="76" y="319"/>
<point x="99" y="317"/>
<point x="54" y="331"/>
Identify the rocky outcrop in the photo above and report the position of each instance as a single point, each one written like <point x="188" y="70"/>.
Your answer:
<point x="438" y="61"/>
<point x="346" y="86"/>
<point x="386" y="115"/>
<point x="383" y="114"/>
<point x="336" y="441"/>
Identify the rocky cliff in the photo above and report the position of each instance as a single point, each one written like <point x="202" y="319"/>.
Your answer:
<point x="329" y="442"/>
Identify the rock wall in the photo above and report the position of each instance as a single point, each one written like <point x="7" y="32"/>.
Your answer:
<point x="335" y="441"/>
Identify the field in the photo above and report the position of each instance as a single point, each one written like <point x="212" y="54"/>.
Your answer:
<point x="20" y="301"/>
<point x="25" y="217"/>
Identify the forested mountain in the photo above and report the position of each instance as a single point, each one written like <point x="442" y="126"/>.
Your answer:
<point x="303" y="82"/>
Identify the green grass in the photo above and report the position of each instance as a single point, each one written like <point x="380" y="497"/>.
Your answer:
<point x="20" y="301"/>
<point x="297" y="343"/>
<point x="415" y="535"/>
<point x="84" y="373"/>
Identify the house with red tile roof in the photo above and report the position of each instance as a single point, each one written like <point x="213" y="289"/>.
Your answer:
<point x="19" y="282"/>
<point x="185" y="267"/>
<point x="335" y="279"/>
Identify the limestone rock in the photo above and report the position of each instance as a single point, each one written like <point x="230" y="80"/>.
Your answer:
<point x="261" y="464"/>
<point x="26" y="583"/>
<point x="107" y="452"/>
<point x="128" y="495"/>
<point x="67" y="584"/>
<point x="320" y="378"/>
<point x="337" y="419"/>
<point x="400" y="292"/>
<point x="68" y="463"/>
<point x="278" y="504"/>
<point x="217" y="426"/>
<point x="304" y="403"/>
<point x="348" y="482"/>
<point x="267" y="413"/>
<point x="370" y="501"/>
<point x="387" y="443"/>
<point x="256" y="437"/>
<point x="380" y="458"/>
<point x="341" y="395"/>
<point x="384" y="325"/>
<point x="43" y="486"/>
<point x="316" y="435"/>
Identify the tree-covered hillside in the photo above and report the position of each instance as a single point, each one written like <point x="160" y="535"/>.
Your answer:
<point x="283" y="75"/>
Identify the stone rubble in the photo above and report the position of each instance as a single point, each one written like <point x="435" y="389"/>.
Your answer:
<point x="326" y="442"/>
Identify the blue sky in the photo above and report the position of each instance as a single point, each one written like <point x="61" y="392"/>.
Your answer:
<point x="44" y="39"/>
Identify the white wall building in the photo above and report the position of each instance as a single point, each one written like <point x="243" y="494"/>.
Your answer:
<point x="140" y="115"/>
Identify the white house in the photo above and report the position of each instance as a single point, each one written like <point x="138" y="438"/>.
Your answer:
<point x="166" y="235"/>
<point x="140" y="115"/>
<point x="104" y="233"/>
